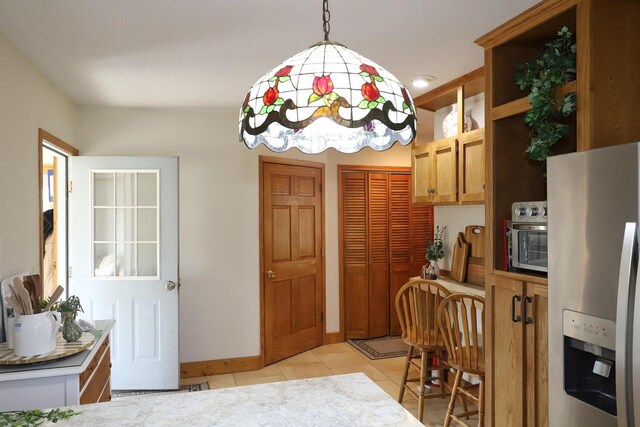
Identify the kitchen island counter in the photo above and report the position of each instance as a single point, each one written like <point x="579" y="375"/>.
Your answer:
<point x="341" y="400"/>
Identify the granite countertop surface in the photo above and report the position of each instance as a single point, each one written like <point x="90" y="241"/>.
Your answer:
<point x="341" y="400"/>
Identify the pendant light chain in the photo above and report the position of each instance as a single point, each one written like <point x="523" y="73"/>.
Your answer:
<point x="326" y="16"/>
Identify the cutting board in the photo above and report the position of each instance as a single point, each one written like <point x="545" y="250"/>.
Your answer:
<point x="475" y="271"/>
<point x="459" y="263"/>
<point x="474" y="235"/>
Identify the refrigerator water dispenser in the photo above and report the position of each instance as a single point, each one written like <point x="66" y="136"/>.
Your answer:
<point x="589" y="360"/>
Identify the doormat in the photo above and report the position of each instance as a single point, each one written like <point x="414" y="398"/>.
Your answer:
<point x="187" y="388"/>
<point x="381" y="348"/>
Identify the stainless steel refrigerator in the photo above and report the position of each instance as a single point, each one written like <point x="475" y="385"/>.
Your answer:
<point x="594" y="309"/>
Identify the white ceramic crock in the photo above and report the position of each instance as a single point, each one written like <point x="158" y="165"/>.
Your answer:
<point x="35" y="334"/>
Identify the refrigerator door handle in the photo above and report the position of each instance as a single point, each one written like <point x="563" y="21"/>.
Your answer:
<point x="626" y="283"/>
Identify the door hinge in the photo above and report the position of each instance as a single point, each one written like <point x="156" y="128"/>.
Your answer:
<point x="70" y="272"/>
<point x="70" y="189"/>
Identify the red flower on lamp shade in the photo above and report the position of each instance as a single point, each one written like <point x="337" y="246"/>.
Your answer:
<point x="270" y="96"/>
<point x="322" y="85"/>
<point x="284" y="71"/>
<point x="369" y="69"/>
<point x="370" y="92"/>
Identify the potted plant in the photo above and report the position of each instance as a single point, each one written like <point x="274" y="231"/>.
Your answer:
<point x="69" y="309"/>
<point x="435" y="252"/>
<point x="555" y="66"/>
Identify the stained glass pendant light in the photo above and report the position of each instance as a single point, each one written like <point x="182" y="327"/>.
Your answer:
<point x="327" y="96"/>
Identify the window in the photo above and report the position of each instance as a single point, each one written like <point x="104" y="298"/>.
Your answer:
<point x="125" y="223"/>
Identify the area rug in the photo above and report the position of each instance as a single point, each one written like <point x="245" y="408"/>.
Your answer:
<point x="187" y="388"/>
<point x="381" y="348"/>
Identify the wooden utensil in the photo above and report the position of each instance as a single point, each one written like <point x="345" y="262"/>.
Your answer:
<point x="22" y="295"/>
<point x="37" y="288"/>
<point x="459" y="264"/>
<point x="54" y="297"/>
<point x="17" y="300"/>
<point x="14" y="303"/>
<point x="30" y="286"/>
<point x="474" y="235"/>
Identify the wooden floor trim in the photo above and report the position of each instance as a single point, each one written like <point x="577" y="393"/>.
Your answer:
<point x="333" y="338"/>
<point x="220" y="366"/>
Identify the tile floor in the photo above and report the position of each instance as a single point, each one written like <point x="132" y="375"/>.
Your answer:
<point x="335" y="359"/>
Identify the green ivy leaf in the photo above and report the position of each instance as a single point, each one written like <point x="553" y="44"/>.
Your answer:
<point x="363" y="104"/>
<point x="332" y="96"/>
<point x="372" y="104"/>
<point x="284" y="79"/>
<point x="279" y="101"/>
<point x="313" y="98"/>
<point x="273" y="79"/>
<point x="378" y="78"/>
<point x="270" y="108"/>
<point x="263" y="110"/>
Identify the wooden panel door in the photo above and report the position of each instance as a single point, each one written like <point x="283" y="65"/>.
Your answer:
<point x="471" y="166"/>
<point x="421" y="173"/>
<point x="400" y="241"/>
<point x="505" y="352"/>
<point x="537" y="355"/>
<point x="378" y="239"/>
<point x="443" y="173"/>
<point x="355" y="254"/>
<point x="292" y="259"/>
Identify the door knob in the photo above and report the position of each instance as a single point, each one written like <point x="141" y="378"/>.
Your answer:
<point x="170" y="285"/>
<point x="271" y="274"/>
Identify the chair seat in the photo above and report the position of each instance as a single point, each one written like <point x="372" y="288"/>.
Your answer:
<point x="439" y="343"/>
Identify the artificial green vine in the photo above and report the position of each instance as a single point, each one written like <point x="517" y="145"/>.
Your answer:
<point x="34" y="417"/>
<point x="555" y="67"/>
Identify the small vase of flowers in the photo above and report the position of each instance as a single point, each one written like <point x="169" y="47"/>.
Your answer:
<point x="435" y="252"/>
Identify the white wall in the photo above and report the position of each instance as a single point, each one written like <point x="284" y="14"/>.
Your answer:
<point x="455" y="218"/>
<point x="28" y="101"/>
<point x="219" y="251"/>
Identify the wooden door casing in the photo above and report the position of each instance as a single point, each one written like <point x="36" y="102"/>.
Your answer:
<point x="292" y="237"/>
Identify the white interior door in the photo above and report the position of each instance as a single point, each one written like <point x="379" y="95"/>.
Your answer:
<point x="123" y="255"/>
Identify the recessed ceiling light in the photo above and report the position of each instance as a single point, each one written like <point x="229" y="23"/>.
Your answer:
<point x="420" y="82"/>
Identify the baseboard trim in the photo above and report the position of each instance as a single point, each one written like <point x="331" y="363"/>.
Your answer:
<point x="332" y="338"/>
<point x="220" y="366"/>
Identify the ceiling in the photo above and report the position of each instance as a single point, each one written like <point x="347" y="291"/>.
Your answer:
<point x="207" y="53"/>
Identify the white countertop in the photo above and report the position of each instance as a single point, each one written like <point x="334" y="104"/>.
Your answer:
<point x="341" y="400"/>
<point x="69" y="365"/>
<point x="458" y="287"/>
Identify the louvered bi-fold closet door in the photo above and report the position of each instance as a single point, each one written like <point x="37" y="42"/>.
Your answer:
<point x="378" y="239"/>
<point x="400" y="241"/>
<point x="355" y="258"/>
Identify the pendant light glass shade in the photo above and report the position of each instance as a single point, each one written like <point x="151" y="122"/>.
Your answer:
<point x="327" y="96"/>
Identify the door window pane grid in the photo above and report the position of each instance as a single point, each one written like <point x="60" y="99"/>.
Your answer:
<point x="125" y="224"/>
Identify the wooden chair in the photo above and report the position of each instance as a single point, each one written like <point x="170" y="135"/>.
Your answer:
<point x="458" y="316"/>
<point x="416" y="304"/>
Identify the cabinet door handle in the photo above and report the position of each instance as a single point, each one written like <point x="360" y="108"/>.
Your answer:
<point x="514" y="317"/>
<point x="527" y="300"/>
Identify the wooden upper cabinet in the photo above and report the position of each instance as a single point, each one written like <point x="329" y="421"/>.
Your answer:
<point x="471" y="170"/>
<point x="421" y="172"/>
<point x="443" y="171"/>
<point x="450" y="170"/>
